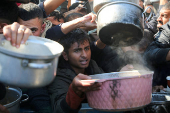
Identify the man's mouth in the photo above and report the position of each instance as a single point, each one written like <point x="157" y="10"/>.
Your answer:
<point x="160" y="22"/>
<point x="83" y="62"/>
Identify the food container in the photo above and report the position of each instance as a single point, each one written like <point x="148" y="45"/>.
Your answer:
<point x="34" y="64"/>
<point x="122" y="91"/>
<point x="12" y="99"/>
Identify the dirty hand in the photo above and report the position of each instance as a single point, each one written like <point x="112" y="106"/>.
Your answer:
<point x="16" y="33"/>
<point x="88" y="21"/>
<point x="79" y="88"/>
<point x="3" y="109"/>
<point x="157" y="88"/>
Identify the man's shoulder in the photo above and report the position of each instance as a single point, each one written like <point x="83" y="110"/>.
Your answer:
<point x="65" y="72"/>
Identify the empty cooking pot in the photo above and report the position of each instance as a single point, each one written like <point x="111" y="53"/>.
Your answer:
<point x="34" y="64"/>
<point x="121" y="91"/>
<point x="12" y="99"/>
<point x="124" y="26"/>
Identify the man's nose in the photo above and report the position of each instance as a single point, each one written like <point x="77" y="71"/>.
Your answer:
<point x="84" y="54"/>
<point x="159" y="18"/>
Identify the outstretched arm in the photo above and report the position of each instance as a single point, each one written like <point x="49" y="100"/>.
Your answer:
<point x="51" y="5"/>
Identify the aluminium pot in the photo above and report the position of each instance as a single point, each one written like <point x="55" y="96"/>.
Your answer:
<point x="121" y="91"/>
<point x="34" y="64"/>
<point x="97" y="4"/>
<point x="12" y="99"/>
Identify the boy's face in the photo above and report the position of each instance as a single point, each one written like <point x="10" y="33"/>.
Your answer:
<point x="79" y="55"/>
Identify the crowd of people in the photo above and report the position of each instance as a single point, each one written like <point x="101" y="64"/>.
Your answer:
<point x="84" y="53"/>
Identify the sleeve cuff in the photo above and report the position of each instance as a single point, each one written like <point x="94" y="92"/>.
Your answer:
<point x="41" y="5"/>
<point x="55" y="33"/>
<point x="73" y="100"/>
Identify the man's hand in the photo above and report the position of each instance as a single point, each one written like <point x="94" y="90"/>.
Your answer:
<point x="89" y="21"/>
<point x="80" y="88"/>
<point x="16" y="33"/>
<point x="157" y="88"/>
<point x="3" y="109"/>
<point x="78" y="9"/>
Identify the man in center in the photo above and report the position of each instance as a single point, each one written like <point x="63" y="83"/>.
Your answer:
<point x="67" y="91"/>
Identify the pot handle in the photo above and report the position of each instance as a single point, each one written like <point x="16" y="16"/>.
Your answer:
<point x="151" y="13"/>
<point x="26" y="99"/>
<point x="39" y="66"/>
<point x="26" y="63"/>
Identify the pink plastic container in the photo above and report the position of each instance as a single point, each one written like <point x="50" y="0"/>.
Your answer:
<point x="123" y="91"/>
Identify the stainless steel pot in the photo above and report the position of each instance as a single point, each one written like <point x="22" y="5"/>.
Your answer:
<point x="123" y="27"/>
<point x="12" y="99"/>
<point x="97" y="4"/>
<point x="32" y="65"/>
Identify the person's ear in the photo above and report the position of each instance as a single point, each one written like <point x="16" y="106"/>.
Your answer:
<point x="65" y="56"/>
<point x="43" y="27"/>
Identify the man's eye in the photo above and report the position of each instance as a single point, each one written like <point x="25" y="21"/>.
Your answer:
<point x="76" y="50"/>
<point x="87" y="49"/>
<point x="33" y="30"/>
<point x="165" y="16"/>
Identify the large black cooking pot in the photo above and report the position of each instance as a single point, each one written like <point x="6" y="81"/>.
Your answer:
<point x="120" y="23"/>
<point x="97" y="4"/>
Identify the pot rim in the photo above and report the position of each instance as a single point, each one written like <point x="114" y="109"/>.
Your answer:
<point x="18" y="55"/>
<point x="19" y="91"/>
<point x="117" y="2"/>
<point x="32" y="40"/>
<point x="117" y="77"/>
<point x="125" y="109"/>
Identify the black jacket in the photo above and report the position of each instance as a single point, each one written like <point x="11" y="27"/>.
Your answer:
<point x="59" y="87"/>
<point x="156" y="54"/>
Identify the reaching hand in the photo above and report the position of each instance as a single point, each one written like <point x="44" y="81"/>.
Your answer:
<point x="16" y="33"/>
<point x="89" y="21"/>
<point x="80" y="88"/>
<point x="3" y="109"/>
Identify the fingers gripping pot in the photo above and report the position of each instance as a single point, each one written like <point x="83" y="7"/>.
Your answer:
<point x="122" y="91"/>
<point x="34" y="64"/>
<point x="124" y="26"/>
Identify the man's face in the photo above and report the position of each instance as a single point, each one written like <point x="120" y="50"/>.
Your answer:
<point x="79" y="55"/>
<point x="141" y="3"/>
<point x="163" y="17"/>
<point x="35" y="25"/>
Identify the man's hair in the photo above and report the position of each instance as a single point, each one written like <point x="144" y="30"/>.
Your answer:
<point x="30" y="11"/>
<point x="35" y="1"/>
<point x="167" y="6"/>
<point x="77" y="35"/>
<point x="57" y="15"/>
<point x="8" y="12"/>
<point x="72" y="16"/>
